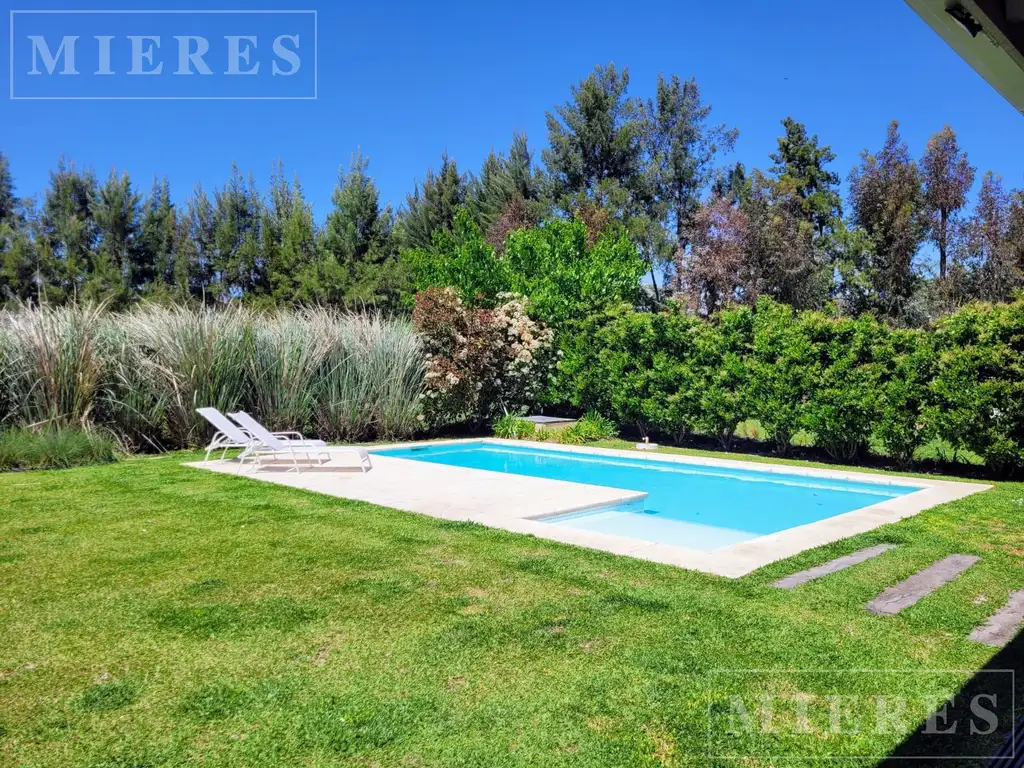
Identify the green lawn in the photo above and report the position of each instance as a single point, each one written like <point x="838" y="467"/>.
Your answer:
<point x="153" y="614"/>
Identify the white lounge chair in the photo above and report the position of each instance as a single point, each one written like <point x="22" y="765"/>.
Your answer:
<point x="267" y="443"/>
<point x="229" y="435"/>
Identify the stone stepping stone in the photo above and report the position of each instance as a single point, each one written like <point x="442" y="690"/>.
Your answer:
<point x="920" y="585"/>
<point x="832" y="566"/>
<point x="1002" y="627"/>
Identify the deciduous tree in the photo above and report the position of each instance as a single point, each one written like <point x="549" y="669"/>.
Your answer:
<point x="714" y="271"/>
<point x="947" y="176"/>
<point x="783" y="254"/>
<point x="989" y="245"/>
<point x="886" y="196"/>
<point x="680" y="148"/>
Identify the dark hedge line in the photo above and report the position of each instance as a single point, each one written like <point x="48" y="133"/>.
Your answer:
<point x="850" y="382"/>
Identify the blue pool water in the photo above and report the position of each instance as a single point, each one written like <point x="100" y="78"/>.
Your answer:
<point x="687" y="505"/>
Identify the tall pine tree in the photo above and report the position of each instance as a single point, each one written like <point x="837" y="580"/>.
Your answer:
<point x="800" y="168"/>
<point x="358" y="240"/>
<point x="594" y="140"/>
<point x="289" y="235"/>
<point x="432" y="207"/>
<point x="154" y="273"/>
<point x="67" y="232"/>
<point x="508" y="193"/>
<point x="238" y="269"/>
<point x="17" y="253"/>
<point x="116" y="213"/>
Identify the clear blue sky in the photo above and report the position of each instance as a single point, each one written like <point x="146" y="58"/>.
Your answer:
<point x="406" y="80"/>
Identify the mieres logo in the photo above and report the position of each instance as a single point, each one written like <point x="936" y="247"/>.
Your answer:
<point x="163" y="55"/>
<point x="776" y="716"/>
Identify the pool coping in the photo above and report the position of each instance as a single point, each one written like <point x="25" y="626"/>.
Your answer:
<point x="519" y="503"/>
<point x="745" y="557"/>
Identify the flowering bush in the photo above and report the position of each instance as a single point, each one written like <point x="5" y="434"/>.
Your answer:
<point x="480" y="362"/>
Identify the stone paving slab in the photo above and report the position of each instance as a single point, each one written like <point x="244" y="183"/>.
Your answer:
<point x="1002" y="627"/>
<point x="832" y="566"/>
<point x="920" y="585"/>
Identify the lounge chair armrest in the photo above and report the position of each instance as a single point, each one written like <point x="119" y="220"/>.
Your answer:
<point x="219" y="438"/>
<point x="297" y="435"/>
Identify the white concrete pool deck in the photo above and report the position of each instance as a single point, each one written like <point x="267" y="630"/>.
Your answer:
<point x="516" y="502"/>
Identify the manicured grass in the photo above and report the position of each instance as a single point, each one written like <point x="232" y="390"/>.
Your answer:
<point x="153" y="614"/>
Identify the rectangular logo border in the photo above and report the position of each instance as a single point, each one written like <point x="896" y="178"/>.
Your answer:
<point x="797" y="758"/>
<point x="316" y="56"/>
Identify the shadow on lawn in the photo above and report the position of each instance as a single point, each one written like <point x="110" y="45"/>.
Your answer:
<point x="961" y="748"/>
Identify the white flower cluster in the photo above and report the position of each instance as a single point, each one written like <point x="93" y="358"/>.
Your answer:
<point x="495" y="360"/>
<point x="530" y="343"/>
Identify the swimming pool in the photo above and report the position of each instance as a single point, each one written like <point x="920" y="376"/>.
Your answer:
<point x="687" y="505"/>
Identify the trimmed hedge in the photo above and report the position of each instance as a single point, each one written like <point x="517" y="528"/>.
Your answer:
<point x="851" y="382"/>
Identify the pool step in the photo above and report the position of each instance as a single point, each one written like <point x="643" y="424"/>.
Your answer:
<point x="920" y="585"/>
<point x="832" y="566"/>
<point x="1002" y="627"/>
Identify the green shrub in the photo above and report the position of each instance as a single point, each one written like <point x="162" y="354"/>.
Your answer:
<point x="843" y="400"/>
<point x="845" y="383"/>
<point x="977" y="391"/>
<point x="903" y="396"/>
<point x="480" y="362"/>
<point x="53" y="448"/>
<point x="721" y="374"/>
<point x="638" y="367"/>
<point x="780" y="367"/>
<point x="511" y="427"/>
<point x="588" y="429"/>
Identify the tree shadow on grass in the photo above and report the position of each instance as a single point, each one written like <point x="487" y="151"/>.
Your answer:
<point x="995" y="720"/>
